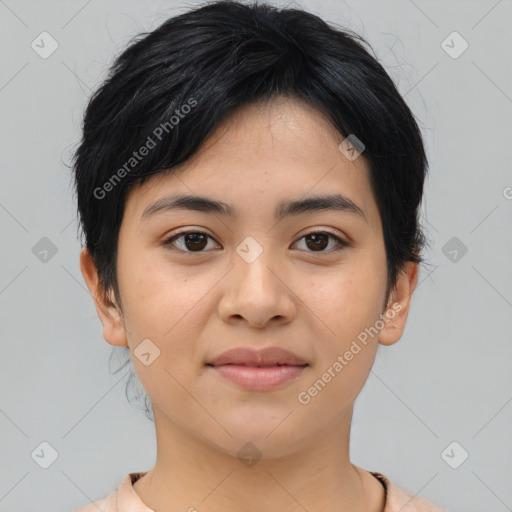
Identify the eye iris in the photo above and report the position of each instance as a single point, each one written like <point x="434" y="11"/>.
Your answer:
<point x="195" y="238"/>
<point x="316" y="243"/>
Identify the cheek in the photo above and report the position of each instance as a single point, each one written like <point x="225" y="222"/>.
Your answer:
<point x="347" y="307"/>
<point x="349" y="299"/>
<point x="160" y="308"/>
<point x="154" y="293"/>
<point x="166" y="305"/>
<point x="348" y="302"/>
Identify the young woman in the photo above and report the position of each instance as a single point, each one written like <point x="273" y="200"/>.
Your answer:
<point x="248" y="184"/>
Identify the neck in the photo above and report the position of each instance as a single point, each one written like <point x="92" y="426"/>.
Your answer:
<point x="191" y="473"/>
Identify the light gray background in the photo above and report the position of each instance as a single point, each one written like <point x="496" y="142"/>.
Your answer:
<point x="448" y="379"/>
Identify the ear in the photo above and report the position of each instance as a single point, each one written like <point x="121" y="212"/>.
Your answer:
<point x="109" y="313"/>
<point x="395" y="315"/>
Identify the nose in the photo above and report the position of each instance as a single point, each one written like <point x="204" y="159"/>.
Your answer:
<point x="258" y="292"/>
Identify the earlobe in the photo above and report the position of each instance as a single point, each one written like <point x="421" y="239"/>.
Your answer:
<point x="395" y="316"/>
<point x="109" y="314"/>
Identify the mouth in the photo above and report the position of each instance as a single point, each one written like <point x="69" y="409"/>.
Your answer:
<point x="255" y="365"/>
<point x="258" y="377"/>
<point x="268" y="356"/>
<point x="257" y="370"/>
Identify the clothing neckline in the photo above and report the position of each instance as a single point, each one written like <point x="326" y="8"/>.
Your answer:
<point x="133" y="477"/>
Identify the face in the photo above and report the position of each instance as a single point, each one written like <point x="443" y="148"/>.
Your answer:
<point x="310" y="281"/>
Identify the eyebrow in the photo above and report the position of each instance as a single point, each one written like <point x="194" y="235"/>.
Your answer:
<point x="334" y="202"/>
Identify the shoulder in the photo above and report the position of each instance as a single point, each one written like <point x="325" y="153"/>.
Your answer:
<point x="400" y="500"/>
<point x="107" y="504"/>
<point x="122" y="499"/>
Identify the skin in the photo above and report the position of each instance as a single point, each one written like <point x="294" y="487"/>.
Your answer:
<point x="195" y="305"/>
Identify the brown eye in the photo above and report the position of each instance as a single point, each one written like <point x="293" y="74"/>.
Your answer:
<point x="197" y="241"/>
<point x="317" y="241"/>
<point x="191" y="241"/>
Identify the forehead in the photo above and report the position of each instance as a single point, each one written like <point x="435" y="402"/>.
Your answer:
<point x="264" y="154"/>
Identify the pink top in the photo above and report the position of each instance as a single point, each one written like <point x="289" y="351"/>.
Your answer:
<point x="125" y="499"/>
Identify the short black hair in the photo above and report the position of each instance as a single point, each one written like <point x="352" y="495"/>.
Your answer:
<point x="181" y="80"/>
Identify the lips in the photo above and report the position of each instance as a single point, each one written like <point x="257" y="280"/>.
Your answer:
<point x="258" y="379"/>
<point x="266" y="357"/>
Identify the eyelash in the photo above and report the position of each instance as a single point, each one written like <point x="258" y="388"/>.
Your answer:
<point x="342" y="244"/>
